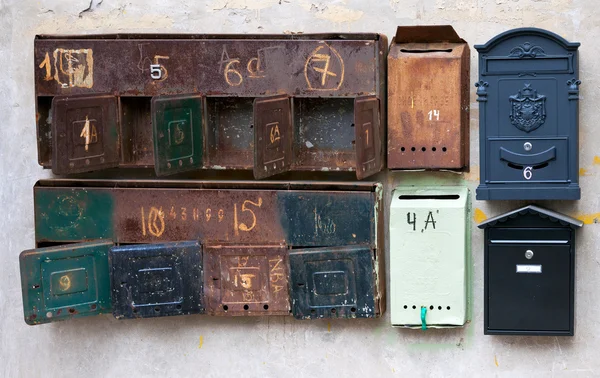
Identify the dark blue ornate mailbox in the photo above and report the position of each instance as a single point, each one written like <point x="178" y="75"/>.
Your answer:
<point x="528" y="93"/>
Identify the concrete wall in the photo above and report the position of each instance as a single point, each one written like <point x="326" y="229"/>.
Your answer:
<point x="271" y="347"/>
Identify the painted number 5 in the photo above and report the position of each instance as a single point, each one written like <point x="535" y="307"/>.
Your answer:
<point x="527" y="173"/>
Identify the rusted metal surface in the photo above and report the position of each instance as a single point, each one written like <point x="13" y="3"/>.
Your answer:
<point x="231" y="72"/>
<point x="273" y="133"/>
<point x="85" y="132"/>
<point x="246" y="280"/>
<point x="238" y="212"/>
<point x="428" y="93"/>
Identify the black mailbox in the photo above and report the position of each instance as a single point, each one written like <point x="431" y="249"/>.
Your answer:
<point x="529" y="273"/>
<point x="528" y="93"/>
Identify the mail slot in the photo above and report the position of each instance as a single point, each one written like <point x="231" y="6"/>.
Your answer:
<point x="528" y="93"/>
<point x="217" y="247"/>
<point x="150" y="280"/>
<point x="63" y="282"/>
<point x="269" y="104"/>
<point x="428" y="99"/>
<point x="529" y="277"/>
<point x="429" y="256"/>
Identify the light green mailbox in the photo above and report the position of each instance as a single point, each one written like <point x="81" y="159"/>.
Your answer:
<point x="429" y="250"/>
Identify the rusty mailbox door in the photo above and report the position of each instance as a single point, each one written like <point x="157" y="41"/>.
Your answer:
<point x="369" y="158"/>
<point x="246" y="279"/>
<point x="428" y="97"/>
<point x="85" y="133"/>
<point x="273" y="134"/>
<point x="178" y="135"/>
<point x="151" y="280"/>
<point x="63" y="282"/>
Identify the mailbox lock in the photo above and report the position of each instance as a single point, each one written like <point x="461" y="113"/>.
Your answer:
<point x="528" y="254"/>
<point x="527" y="146"/>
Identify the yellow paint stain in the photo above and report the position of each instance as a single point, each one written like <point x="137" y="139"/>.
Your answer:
<point x="201" y="342"/>
<point x="496" y="361"/>
<point x="597" y="160"/>
<point x="583" y="172"/>
<point x="588" y="218"/>
<point x="393" y="370"/>
<point x="328" y="327"/>
<point x="478" y="215"/>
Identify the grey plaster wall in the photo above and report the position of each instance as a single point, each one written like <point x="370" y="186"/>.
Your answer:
<point x="274" y="347"/>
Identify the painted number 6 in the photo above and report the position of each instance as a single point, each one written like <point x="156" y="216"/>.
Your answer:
<point x="527" y="173"/>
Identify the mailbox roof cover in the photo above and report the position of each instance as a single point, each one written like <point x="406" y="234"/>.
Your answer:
<point x="528" y="91"/>
<point x="66" y="281"/>
<point x="532" y="209"/>
<point x="150" y="280"/>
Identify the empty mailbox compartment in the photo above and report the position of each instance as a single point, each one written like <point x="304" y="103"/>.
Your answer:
<point x="150" y="280"/>
<point x="529" y="274"/>
<point x="165" y="113"/>
<point x="429" y="255"/>
<point x="428" y="99"/>
<point x="67" y="281"/>
<point x="528" y="93"/>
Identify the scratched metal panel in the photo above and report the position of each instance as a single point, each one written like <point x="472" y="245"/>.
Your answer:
<point x="273" y="133"/>
<point x="246" y="280"/>
<point x="65" y="282"/>
<point x="333" y="283"/>
<point x="151" y="280"/>
<point x="85" y="133"/>
<point x="177" y="132"/>
<point x="245" y="215"/>
<point x="248" y="67"/>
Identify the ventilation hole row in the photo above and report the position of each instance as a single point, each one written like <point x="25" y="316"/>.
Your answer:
<point x="246" y="307"/>
<point x="156" y="309"/>
<point x="414" y="307"/>
<point x="333" y="310"/>
<point x="413" y="149"/>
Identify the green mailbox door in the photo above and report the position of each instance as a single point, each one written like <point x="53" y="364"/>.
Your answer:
<point x="177" y="132"/>
<point x="65" y="281"/>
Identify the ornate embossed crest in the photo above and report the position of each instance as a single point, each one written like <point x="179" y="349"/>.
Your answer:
<point x="528" y="109"/>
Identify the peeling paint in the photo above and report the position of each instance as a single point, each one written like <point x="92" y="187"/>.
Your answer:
<point x="332" y="12"/>
<point x="96" y="23"/>
<point x="588" y="218"/>
<point x="479" y="216"/>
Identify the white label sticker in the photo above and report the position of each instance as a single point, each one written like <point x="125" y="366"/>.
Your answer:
<point x="529" y="269"/>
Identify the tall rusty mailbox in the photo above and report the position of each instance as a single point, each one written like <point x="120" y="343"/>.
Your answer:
<point x="428" y="99"/>
<point x="529" y="276"/>
<point x="267" y="103"/>
<point x="528" y="93"/>
<point x="429" y="256"/>
<point x="223" y="248"/>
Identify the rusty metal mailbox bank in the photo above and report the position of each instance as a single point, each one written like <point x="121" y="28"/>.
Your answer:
<point x="428" y="99"/>
<point x="267" y="103"/>
<point x="529" y="275"/>
<point x="310" y="250"/>
<point x="528" y="93"/>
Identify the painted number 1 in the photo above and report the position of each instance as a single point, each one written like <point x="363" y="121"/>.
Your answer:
<point x="434" y="114"/>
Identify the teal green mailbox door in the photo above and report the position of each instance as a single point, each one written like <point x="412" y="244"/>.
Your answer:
<point x="65" y="282"/>
<point x="177" y="132"/>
